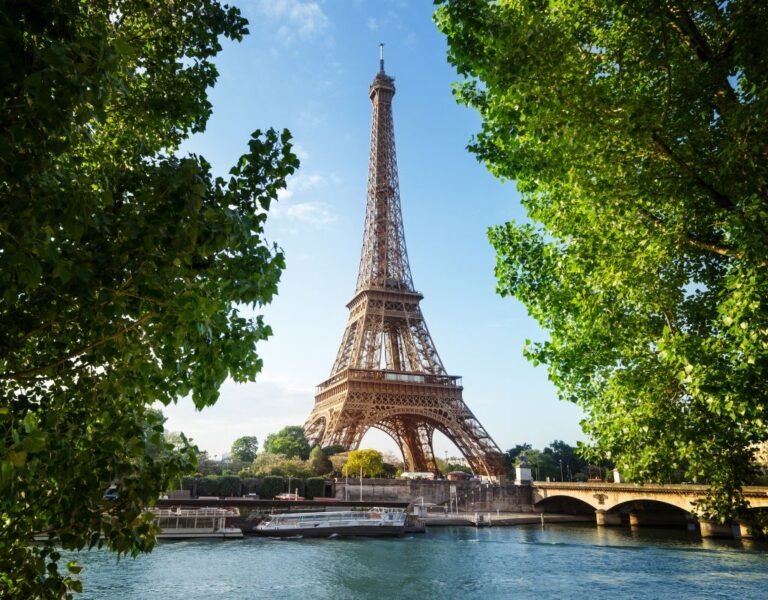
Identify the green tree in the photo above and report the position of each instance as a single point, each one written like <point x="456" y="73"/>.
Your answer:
<point x="331" y="450"/>
<point x="279" y="464"/>
<point x="637" y="133"/>
<point x="369" y="460"/>
<point x="124" y="269"/>
<point x="338" y="461"/>
<point x="453" y="467"/>
<point x="244" y="448"/>
<point x="289" y="441"/>
<point x="542" y="465"/>
<point x="567" y="458"/>
<point x="319" y="462"/>
<point x="511" y="456"/>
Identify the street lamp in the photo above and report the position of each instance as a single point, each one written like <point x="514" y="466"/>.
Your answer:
<point x="561" y="470"/>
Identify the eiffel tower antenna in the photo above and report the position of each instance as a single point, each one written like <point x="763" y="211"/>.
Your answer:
<point x="387" y="373"/>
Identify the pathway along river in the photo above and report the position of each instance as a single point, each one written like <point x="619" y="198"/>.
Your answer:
<point x="557" y="561"/>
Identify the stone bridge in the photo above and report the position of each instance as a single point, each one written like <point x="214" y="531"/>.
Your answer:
<point x="617" y="503"/>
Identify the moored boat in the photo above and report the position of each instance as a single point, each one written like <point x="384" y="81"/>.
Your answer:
<point x="373" y="522"/>
<point x="194" y="523"/>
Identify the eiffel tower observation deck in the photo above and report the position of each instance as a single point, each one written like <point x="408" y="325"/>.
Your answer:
<point x="387" y="373"/>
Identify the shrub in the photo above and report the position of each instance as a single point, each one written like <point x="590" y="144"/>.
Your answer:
<point x="209" y="486"/>
<point x="251" y="485"/>
<point x="271" y="486"/>
<point x="315" y="486"/>
<point x="229" y="485"/>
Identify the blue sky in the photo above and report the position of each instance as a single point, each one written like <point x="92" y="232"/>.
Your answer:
<point x="307" y="66"/>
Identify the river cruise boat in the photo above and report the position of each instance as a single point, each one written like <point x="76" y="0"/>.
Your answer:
<point x="194" y="523"/>
<point x="373" y="522"/>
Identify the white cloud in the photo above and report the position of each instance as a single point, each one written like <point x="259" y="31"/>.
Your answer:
<point x="301" y="183"/>
<point x="310" y="210"/>
<point x="372" y="23"/>
<point x="300" y="20"/>
<point x="316" y="213"/>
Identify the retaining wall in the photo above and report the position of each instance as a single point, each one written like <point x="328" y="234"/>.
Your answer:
<point x="471" y="495"/>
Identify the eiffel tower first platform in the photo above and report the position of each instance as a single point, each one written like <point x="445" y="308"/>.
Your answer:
<point x="387" y="373"/>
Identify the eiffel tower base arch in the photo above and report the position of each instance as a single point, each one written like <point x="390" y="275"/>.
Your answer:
<point x="409" y="408"/>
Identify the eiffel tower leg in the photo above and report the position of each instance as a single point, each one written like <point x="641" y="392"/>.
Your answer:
<point x="392" y="430"/>
<point x="417" y="444"/>
<point x="426" y="432"/>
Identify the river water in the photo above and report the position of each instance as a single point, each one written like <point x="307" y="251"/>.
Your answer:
<point x="555" y="561"/>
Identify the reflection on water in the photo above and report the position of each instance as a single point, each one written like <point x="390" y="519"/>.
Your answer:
<point x="555" y="561"/>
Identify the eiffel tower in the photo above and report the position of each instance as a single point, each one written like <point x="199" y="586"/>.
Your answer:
<point x="387" y="372"/>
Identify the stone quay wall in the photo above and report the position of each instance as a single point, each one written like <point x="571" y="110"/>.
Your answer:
<point x="470" y="495"/>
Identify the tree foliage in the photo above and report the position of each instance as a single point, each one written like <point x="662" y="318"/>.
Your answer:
<point x="367" y="459"/>
<point x="637" y="133"/>
<point x="245" y="448"/>
<point x="289" y="441"/>
<point x="122" y="266"/>
<point x="319" y="462"/>
<point x="279" y="464"/>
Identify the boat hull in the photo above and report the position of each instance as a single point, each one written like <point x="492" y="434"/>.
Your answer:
<point x="228" y="533"/>
<point x="325" y="532"/>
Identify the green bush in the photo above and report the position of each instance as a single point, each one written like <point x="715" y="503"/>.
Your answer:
<point x="209" y="486"/>
<point x="315" y="487"/>
<point x="251" y="485"/>
<point x="230" y="485"/>
<point x="271" y="486"/>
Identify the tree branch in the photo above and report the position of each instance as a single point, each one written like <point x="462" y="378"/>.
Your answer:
<point x="720" y="199"/>
<point x="694" y="241"/>
<point x="75" y="353"/>
<point x="691" y="35"/>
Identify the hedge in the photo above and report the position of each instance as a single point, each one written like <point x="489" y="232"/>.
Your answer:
<point x="315" y="486"/>
<point x="271" y="486"/>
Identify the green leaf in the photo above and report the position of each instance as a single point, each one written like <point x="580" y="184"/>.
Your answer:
<point x="18" y="458"/>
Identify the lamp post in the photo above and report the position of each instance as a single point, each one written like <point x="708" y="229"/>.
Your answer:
<point x="561" y="470"/>
<point x="361" y="483"/>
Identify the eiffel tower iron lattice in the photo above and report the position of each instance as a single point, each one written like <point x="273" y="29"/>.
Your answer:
<point x="387" y="373"/>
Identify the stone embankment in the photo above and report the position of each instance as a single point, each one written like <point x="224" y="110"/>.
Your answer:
<point x="501" y="519"/>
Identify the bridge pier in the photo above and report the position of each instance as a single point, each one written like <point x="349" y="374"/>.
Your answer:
<point x="710" y="529"/>
<point x="604" y="518"/>
<point x="658" y="518"/>
<point x="749" y="532"/>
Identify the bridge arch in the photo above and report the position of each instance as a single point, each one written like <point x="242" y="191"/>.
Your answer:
<point x="564" y="504"/>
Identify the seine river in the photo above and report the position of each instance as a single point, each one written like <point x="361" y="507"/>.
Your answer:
<point x="502" y="562"/>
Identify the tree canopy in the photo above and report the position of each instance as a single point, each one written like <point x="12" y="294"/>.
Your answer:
<point x="124" y="268"/>
<point x="289" y="441"/>
<point x="637" y="133"/>
<point x="319" y="461"/>
<point x="245" y="448"/>
<point x="278" y="464"/>
<point x="368" y="460"/>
